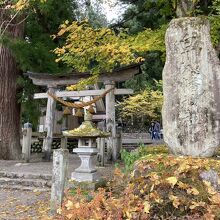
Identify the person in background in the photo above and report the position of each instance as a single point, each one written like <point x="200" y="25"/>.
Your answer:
<point x="152" y="131"/>
<point x="157" y="130"/>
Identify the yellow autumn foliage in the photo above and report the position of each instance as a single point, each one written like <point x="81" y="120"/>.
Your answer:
<point x="19" y="5"/>
<point x="101" y="50"/>
<point x="93" y="50"/>
<point x="147" y="103"/>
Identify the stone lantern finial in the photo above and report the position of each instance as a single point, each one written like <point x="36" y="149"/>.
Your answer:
<point x="87" y="116"/>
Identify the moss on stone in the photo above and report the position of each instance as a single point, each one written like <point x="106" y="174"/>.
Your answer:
<point x="86" y="129"/>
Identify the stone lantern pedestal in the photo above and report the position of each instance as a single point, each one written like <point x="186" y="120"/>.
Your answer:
<point x="87" y="151"/>
<point x="87" y="170"/>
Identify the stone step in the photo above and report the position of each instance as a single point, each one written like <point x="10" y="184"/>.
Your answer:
<point x="26" y="182"/>
<point x="25" y="175"/>
<point x="24" y="188"/>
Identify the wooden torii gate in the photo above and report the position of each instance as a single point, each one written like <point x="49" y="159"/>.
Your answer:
<point x="53" y="82"/>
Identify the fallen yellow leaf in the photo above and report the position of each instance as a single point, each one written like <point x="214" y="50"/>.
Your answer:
<point x="183" y="168"/>
<point x="69" y="216"/>
<point x="38" y="193"/>
<point x="175" y="200"/>
<point x="182" y="185"/>
<point x="142" y="191"/>
<point x="216" y="198"/>
<point x="172" y="180"/>
<point x="154" y="195"/>
<point x="196" y="204"/>
<point x="59" y="211"/>
<point x="128" y="214"/>
<point x="210" y="189"/>
<point x="152" y="188"/>
<point x="193" y="191"/>
<point x="146" y="207"/>
<point x="77" y="205"/>
<point x="69" y="205"/>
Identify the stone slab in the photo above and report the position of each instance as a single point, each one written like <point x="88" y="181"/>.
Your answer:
<point x="191" y="87"/>
<point x="59" y="178"/>
<point x="85" y="177"/>
<point x="87" y="185"/>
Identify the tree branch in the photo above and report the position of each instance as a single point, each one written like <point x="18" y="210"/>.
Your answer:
<point x="7" y="25"/>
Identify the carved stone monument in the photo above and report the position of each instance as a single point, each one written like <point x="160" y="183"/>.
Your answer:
<point x="191" y="77"/>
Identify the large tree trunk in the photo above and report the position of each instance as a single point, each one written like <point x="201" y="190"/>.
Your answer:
<point x="9" y="108"/>
<point x="191" y="77"/>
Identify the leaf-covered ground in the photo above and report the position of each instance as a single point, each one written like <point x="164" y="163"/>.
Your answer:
<point x="161" y="186"/>
<point x="24" y="205"/>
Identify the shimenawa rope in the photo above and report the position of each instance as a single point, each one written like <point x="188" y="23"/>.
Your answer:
<point x="81" y="104"/>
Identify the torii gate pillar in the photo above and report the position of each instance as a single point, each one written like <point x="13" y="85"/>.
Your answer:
<point x="112" y="151"/>
<point x="49" y="123"/>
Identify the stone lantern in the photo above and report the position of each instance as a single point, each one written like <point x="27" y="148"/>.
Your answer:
<point x="87" y="133"/>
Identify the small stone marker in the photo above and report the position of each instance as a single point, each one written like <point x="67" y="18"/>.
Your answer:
<point x="26" y="147"/>
<point x="59" y="178"/>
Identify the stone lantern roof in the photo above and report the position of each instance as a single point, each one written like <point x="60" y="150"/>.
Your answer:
<point x="86" y="130"/>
